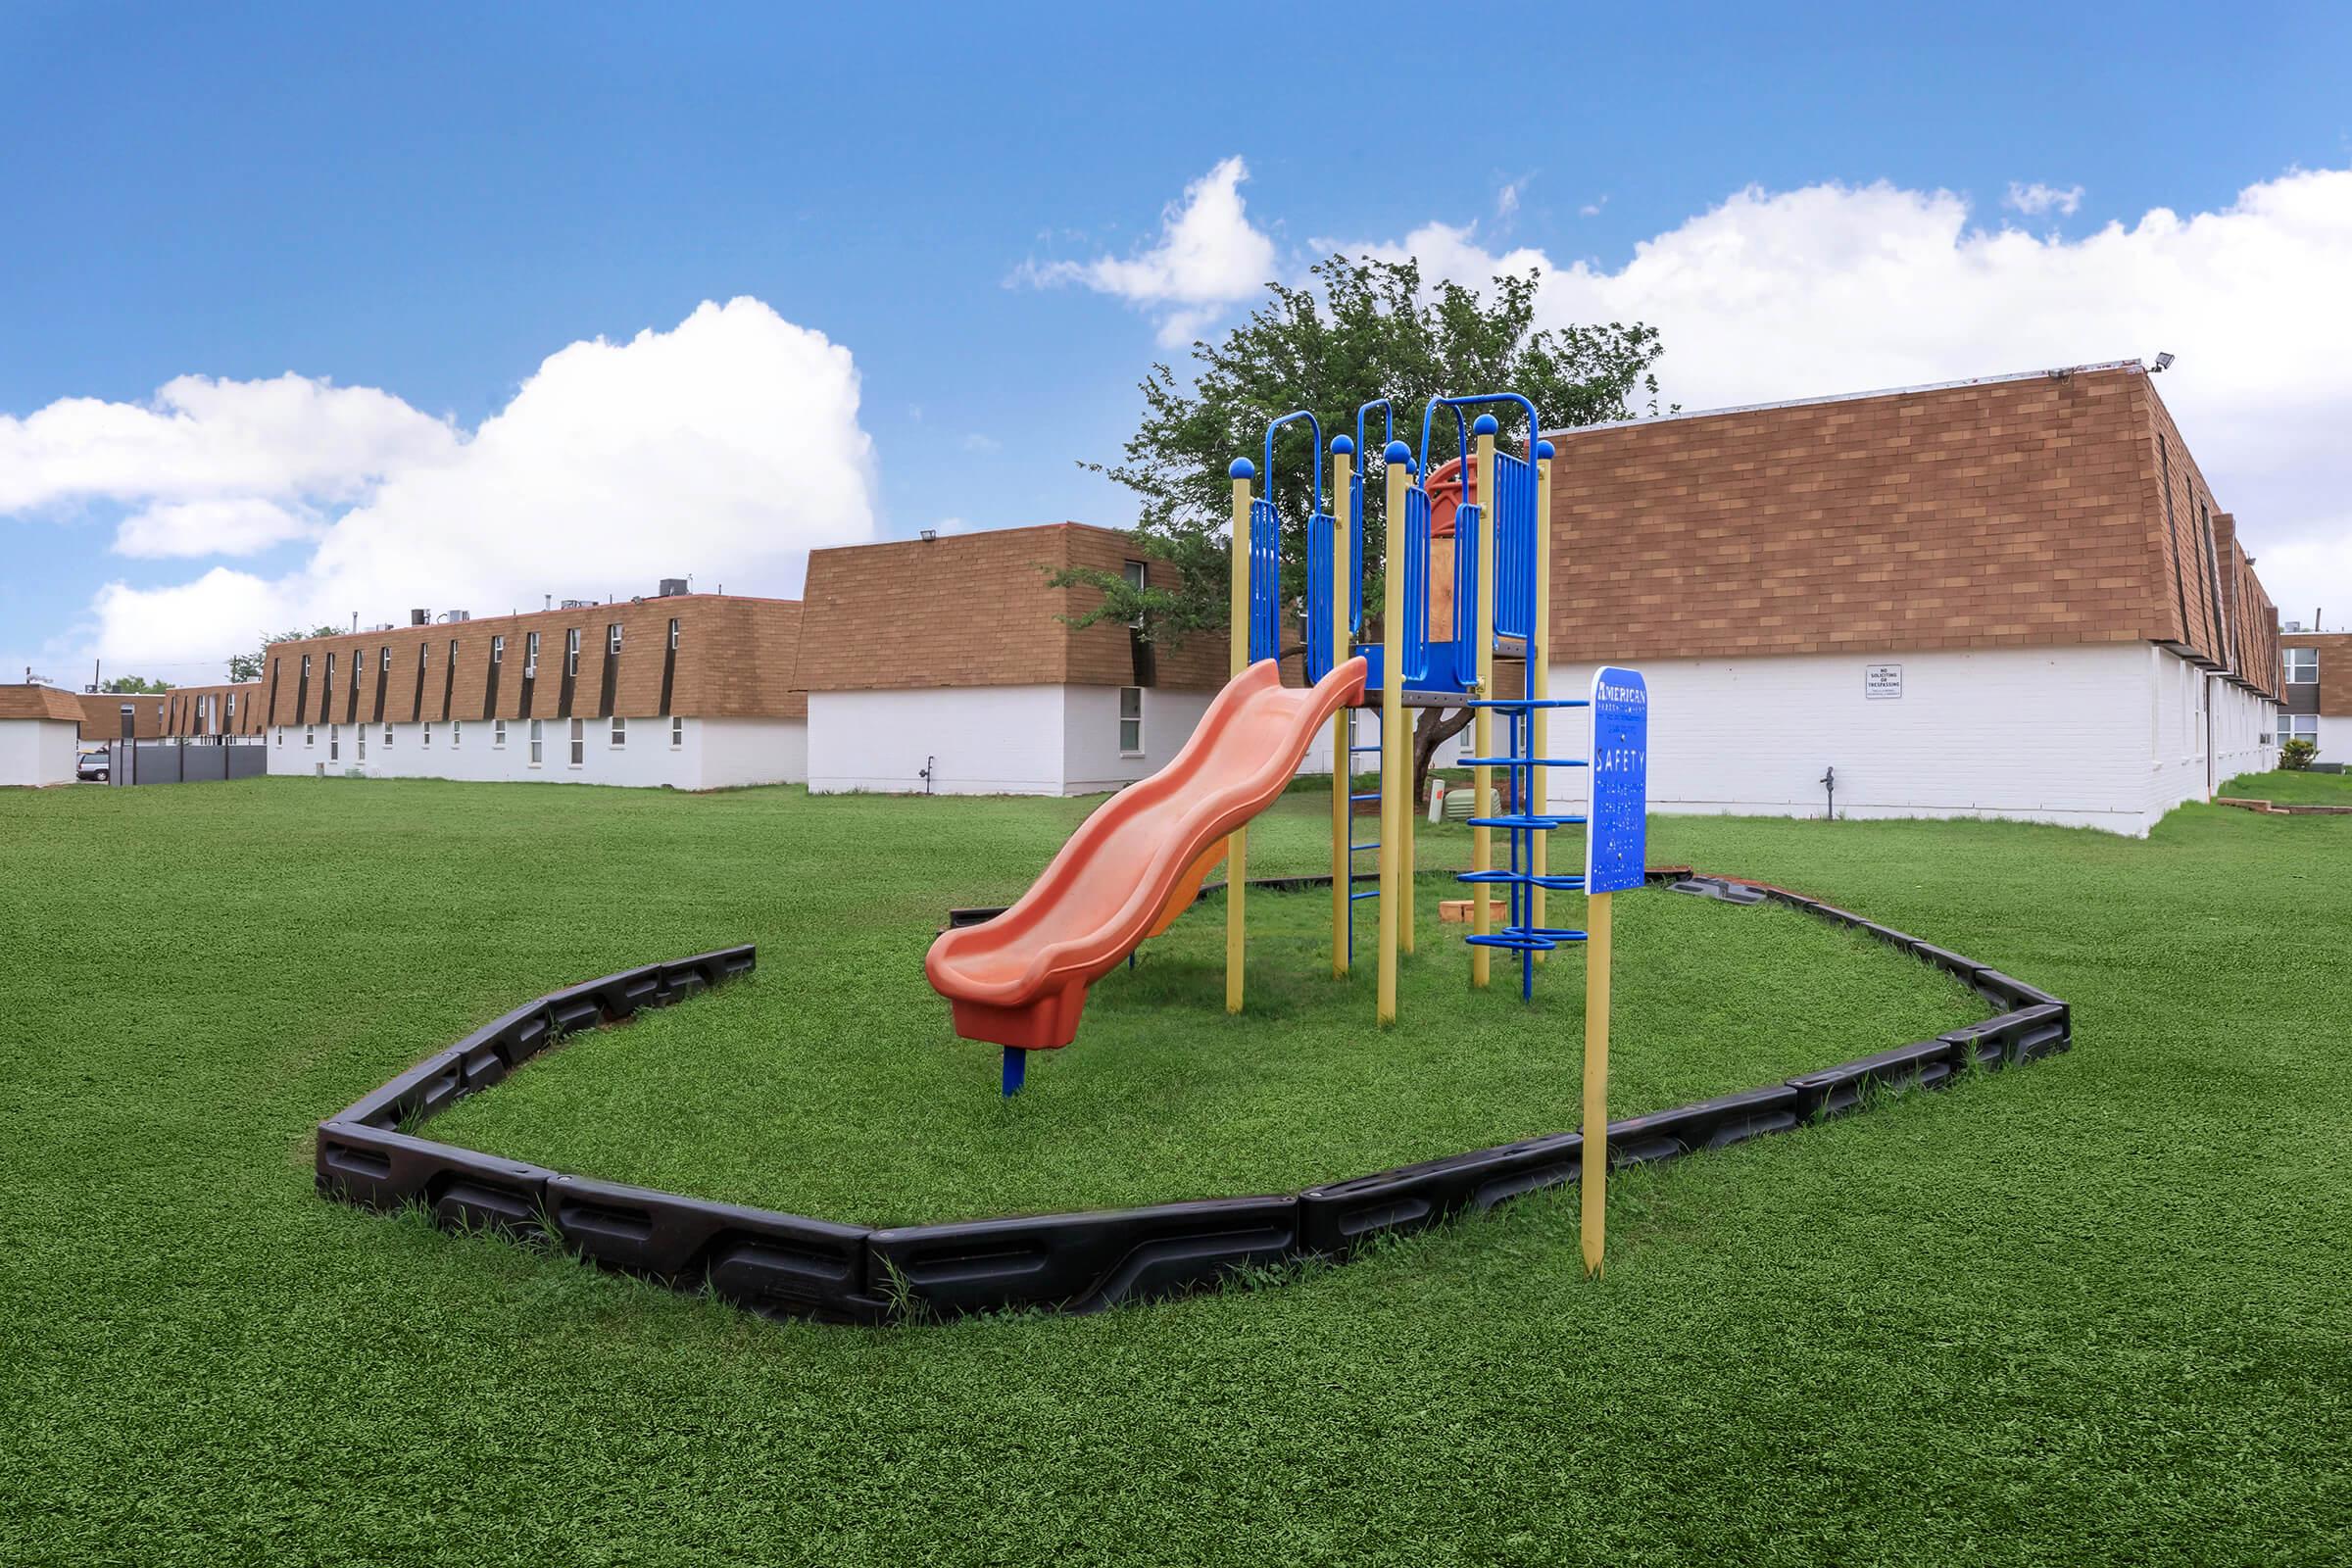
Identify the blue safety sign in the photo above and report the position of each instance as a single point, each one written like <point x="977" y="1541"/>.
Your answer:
<point x="1616" y="831"/>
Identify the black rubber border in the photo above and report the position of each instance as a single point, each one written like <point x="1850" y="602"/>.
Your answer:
<point x="784" y="1265"/>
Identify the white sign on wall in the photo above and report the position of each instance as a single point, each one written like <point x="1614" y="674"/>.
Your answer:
<point x="1883" y="682"/>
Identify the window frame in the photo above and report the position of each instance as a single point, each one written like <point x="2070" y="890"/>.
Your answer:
<point x="1137" y="719"/>
<point x="530" y="652"/>
<point x="428" y="734"/>
<point x="457" y="733"/>
<point x="2287" y="728"/>
<point x="538" y="736"/>
<point x="619" y="737"/>
<point x="571" y="650"/>
<point x="2311" y="663"/>
<point x="497" y="734"/>
<point x="678" y="732"/>
<point x="577" y="744"/>
<point x="310" y="737"/>
<point x="612" y="638"/>
<point x="1139" y="578"/>
<point x="498" y="648"/>
<point x="673" y="634"/>
<point x="334" y="743"/>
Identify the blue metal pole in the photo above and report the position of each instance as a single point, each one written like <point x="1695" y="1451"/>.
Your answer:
<point x="1016" y="1066"/>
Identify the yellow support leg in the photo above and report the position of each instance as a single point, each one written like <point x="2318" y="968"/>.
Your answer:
<point x="1595" y="1153"/>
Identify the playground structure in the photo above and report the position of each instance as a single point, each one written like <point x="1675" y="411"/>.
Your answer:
<point x="1020" y="979"/>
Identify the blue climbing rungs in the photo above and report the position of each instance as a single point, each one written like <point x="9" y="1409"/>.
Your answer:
<point x="1358" y="848"/>
<point x="1354" y="896"/>
<point x="1374" y="747"/>
<point x="1558" y="882"/>
<point x="1531" y="702"/>
<point x="1522" y="762"/>
<point x="1370" y="795"/>
<point x="1520" y="819"/>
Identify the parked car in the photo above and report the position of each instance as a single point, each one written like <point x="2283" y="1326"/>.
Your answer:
<point x="91" y="767"/>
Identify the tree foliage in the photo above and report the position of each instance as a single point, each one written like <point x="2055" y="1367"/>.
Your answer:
<point x="249" y="666"/>
<point x="1365" y="328"/>
<point x="131" y="685"/>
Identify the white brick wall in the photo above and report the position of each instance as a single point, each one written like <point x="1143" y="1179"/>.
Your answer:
<point x="711" y="754"/>
<point x="2103" y="736"/>
<point x="38" y="751"/>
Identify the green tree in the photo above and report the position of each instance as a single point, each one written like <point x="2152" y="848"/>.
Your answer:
<point x="132" y="684"/>
<point x="249" y="666"/>
<point x="1364" y="329"/>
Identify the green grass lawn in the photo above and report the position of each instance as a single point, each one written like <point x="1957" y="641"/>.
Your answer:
<point x="2096" y="1310"/>
<point x="2302" y="788"/>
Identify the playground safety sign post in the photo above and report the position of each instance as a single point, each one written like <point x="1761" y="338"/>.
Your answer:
<point x="1616" y="841"/>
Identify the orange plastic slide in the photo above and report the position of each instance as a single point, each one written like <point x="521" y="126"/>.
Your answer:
<point x="1132" y="868"/>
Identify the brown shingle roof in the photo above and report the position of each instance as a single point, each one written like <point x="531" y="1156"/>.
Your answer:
<point x="39" y="702"/>
<point x="973" y="610"/>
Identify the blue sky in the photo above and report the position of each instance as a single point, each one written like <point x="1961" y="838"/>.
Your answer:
<point x="432" y="201"/>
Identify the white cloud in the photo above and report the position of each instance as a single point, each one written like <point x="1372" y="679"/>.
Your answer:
<point x="1831" y="289"/>
<point x="287" y="437"/>
<point x="2036" y="199"/>
<point x="1208" y="257"/>
<point x="228" y="525"/>
<point x="726" y="447"/>
<point x="976" y="442"/>
<point x="1507" y="200"/>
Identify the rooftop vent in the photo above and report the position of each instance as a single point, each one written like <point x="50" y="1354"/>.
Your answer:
<point x="672" y="587"/>
<point x="453" y="617"/>
<point x="421" y="617"/>
<point x="577" y="604"/>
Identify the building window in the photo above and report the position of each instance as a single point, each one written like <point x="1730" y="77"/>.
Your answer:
<point x="425" y="656"/>
<point x="1131" y="721"/>
<point x="330" y="669"/>
<point x="361" y="735"/>
<point x="334" y="743"/>
<point x="428" y="733"/>
<point x="453" y="653"/>
<point x="498" y="650"/>
<point x="386" y="664"/>
<point x="612" y="638"/>
<point x="530" y="655"/>
<point x="620" y="732"/>
<point x="387" y="736"/>
<point x="579" y="742"/>
<point x="281" y="737"/>
<point x="306" y="666"/>
<point x="2298" y="727"/>
<point x="1139" y="578"/>
<point x="678" y="734"/>
<point x="232" y="708"/>
<point x="457" y="734"/>
<point x="673" y="634"/>
<point x="571" y="651"/>
<point x="309" y="735"/>
<point x="536" y="734"/>
<point x="2302" y="665"/>
<point x="497" y="734"/>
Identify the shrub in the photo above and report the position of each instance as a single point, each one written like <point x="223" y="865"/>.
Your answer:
<point x="2295" y="755"/>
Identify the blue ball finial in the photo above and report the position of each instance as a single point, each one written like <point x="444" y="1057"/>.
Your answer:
<point x="1484" y="424"/>
<point x="1342" y="446"/>
<point x="1243" y="469"/>
<point x="1397" y="452"/>
<point x="1543" y="451"/>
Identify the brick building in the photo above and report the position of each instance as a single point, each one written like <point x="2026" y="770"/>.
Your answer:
<point x="102" y="715"/>
<point x="693" y="691"/>
<point x="2011" y="597"/>
<point x="2317" y="704"/>
<point x="948" y="666"/>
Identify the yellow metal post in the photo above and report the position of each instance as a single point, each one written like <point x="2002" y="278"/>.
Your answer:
<point x="1595" y="1153"/>
<point x="1395" y="762"/>
<point x="1342" y="723"/>
<point x="1482" y="778"/>
<point x="1407" y="855"/>
<point x="1237" y="847"/>
<point x="1539" y="680"/>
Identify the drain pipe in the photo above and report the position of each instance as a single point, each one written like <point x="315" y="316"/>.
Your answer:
<point x="928" y="764"/>
<point x="1829" y="781"/>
